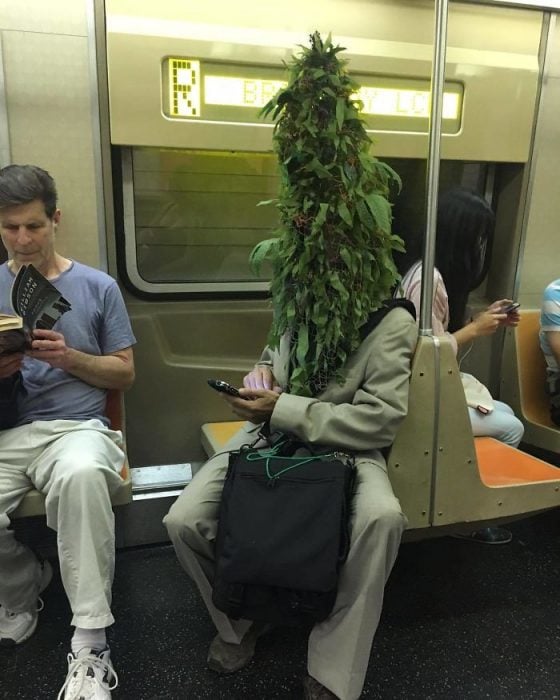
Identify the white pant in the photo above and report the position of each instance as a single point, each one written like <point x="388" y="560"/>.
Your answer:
<point x="77" y="465"/>
<point x="339" y="648"/>
<point x="501" y="424"/>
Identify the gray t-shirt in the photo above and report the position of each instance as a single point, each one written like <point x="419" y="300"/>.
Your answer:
<point x="98" y="324"/>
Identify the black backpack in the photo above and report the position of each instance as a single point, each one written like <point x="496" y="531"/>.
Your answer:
<point x="283" y="532"/>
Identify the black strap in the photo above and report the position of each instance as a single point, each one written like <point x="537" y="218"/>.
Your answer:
<point x="10" y="388"/>
<point x="376" y="317"/>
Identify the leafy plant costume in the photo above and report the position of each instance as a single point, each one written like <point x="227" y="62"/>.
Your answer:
<point x="332" y="257"/>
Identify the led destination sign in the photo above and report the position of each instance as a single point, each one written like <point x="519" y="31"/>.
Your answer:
<point x="219" y="92"/>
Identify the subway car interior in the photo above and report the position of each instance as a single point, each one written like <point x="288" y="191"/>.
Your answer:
<point x="148" y="117"/>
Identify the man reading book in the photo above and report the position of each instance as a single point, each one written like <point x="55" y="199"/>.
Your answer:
<point x="61" y="442"/>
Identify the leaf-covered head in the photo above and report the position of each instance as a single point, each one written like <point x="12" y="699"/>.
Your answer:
<point x="332" y="259"/>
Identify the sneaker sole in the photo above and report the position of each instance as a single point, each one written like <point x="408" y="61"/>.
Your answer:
<point x="469" y="538"/>
<point x="12" y="642"/>
<point x="46" y="578"/>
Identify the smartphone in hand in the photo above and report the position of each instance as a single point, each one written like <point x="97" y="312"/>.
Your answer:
<point x="225" y="388"/>
<point x="510" y="308"/>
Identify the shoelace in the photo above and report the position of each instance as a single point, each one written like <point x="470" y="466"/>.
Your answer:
<point x="82" y="664"/>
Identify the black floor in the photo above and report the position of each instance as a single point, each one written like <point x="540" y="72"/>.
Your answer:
<point x="461" y="620"/>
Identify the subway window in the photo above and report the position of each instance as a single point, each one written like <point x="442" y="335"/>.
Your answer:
<point x="192" y="218"/>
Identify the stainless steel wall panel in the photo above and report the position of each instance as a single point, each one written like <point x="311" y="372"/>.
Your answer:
<point x="44" y="16"/>
<point x="492" y="51"/>
<point x="49" y="105"/>
<point x="541" y="254"/>
<point x="5" y="150"/>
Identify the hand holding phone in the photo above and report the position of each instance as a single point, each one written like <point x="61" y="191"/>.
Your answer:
<point x="225" y="388"/>
<point x="510" y="308"/>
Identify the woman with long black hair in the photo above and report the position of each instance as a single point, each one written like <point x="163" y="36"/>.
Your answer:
<point x="464" y="225"/>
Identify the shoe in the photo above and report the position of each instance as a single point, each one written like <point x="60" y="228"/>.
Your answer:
<point x="224" y="657"/>
<point x="488" y="535"/>
<point x="313" y="690"/>
<point x="17" y="627"/>
<point x="91" y="676"/>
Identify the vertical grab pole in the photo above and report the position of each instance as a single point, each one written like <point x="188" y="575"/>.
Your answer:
<point x="432" y="175"/>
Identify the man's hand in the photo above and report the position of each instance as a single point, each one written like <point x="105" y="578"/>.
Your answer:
<point x="261" y="378"/>
<point x="257" y="408"/>
<point x="10" y="364"/>
<point x="49" y="346"/>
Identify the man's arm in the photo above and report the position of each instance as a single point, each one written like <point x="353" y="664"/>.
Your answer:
<point x="112" y="371"/>
<point x="379" y="404"/>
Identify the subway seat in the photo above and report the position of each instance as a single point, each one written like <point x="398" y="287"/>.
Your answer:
<point x="446" y="480"/>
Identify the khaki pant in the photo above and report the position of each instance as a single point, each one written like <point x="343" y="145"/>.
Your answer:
<point x="339" y="648"/>
<point x="76" y="464"/>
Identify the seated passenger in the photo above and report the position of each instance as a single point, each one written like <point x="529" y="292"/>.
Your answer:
<point x="359" y="416"/>
<point x="61" y="443"/>
<point x="464" y="221"/>
<point x="329" y="377"/>
<point x="549" y="337"/>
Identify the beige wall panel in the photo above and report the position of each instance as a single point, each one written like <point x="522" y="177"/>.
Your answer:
<point x="45" y="16"/>
<point x="492" y="51"/>
<point x="49" y="108"/>
<point x="541" y="261"/>
<point x="554" y="56"/>
<point x="470" y="26"/>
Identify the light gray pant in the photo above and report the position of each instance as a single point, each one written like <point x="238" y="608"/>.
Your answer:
<point x="339" y="648"/>
<point x="76" y="464"/>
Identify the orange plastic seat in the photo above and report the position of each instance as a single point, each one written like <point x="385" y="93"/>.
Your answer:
<point x="215" y="435"/>
<point x="532" y="370"/>
<point x="502" y="465"/>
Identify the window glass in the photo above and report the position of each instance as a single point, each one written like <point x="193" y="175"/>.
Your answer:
<point x="196" y="214"/>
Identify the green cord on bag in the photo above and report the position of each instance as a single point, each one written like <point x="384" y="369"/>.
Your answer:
<point x="272" y="453"/>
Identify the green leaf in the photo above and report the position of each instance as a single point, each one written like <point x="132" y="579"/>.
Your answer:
<point x="340" y="111"/>
<point x="302" y="347"/>
<point x="345" y="255"/>
<point x="365" y="216"/>
<point x="381" y="211"/>
<point x="344" y="213"/>
<point x="335" y="283"/>
<point x="322" y="215"/>
<point x="266" y="249"/>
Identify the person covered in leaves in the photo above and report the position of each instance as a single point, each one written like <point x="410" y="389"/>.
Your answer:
<point x="335" y="372"/>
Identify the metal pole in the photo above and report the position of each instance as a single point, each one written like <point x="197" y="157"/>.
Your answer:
<point x="432" y="176"/>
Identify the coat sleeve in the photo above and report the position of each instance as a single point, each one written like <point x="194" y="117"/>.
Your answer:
<point x="371" y="419"/>
<point x="266" y="359"/>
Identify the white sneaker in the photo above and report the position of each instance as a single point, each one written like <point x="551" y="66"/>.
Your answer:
<point x="16" y="628"/>
<point x="91" y="676"/>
